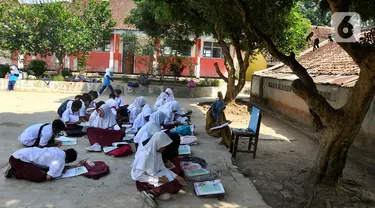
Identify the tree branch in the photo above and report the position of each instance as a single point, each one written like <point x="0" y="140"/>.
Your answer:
<point x="221" y="75"/>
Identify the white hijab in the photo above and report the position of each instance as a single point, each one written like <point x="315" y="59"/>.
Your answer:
<point x="14" y="69"/>
<point x="105" y="122"/>
<point x="168" y="109"/>
<point x="141" y="118"/>
<point x="170" y="97"/>
<point x="160" y="100"/>
<point x="158" y="117"/>
<point x="147" y="159"/>
<point x="136" y="107"/>
<point x="108" y="72"/>
<point x="146" y="132"/>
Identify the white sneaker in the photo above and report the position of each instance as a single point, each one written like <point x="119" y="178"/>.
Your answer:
<point x="149" y="198"/>
<point x="94" y="148"/>
<point x="165" y="197"/>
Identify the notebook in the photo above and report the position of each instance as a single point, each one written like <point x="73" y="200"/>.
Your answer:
<point x="74" y="172"/>
<point x="188" y="140"/>
<point x="66" y="141"/>
<point x="190" y="166"/>
<point x="108" y="149"/>
<point x="84" y="124"/>
<point x="114" y="146"/>
<point x="196" y="172"/>
<point x="184" y="150"/>
<point x="209" y="188"/>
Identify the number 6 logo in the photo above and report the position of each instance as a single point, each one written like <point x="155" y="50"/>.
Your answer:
<point x="347" y="26"/>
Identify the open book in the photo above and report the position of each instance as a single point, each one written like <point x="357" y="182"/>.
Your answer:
<point x="184" y="150"/>
<point x="114" y="146"/>
<point x="66" y="141"/>
<point x="83" y="124"/>
<point x="188" y="140"/>
<point x="220" y="126"/>
<point x="74" y="172"/>
<point x="209" y="188"/>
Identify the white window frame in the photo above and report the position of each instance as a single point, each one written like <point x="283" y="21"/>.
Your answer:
<point x="211" y="48"/>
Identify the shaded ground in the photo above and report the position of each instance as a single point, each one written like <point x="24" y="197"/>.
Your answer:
<point x="19" y="110"/>
<point x="284" y="157"/>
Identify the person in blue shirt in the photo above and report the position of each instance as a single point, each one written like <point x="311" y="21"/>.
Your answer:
<point x="107" y="82"/>
<point x="13" y="76"/>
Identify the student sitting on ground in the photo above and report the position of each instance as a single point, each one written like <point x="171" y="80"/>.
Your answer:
<point x="136" y="108"/>
<point x="85" y="99"/>
<point x="41" y="135"/>
<point x="78" y="97"/>
<point x="94" y="96"/>
<point x="39" y="164"/>
<point x="170" y="97"/>
<point x="71" y="114"/>
<point x="143" y="117"/>
<point x="104" y="119"/>
<point x="118" y="98"/>
<point x="150" y="173"/>
<point x="160" y="101"/>
<point x="171" y="109"/>
<point x="112" y="103"/>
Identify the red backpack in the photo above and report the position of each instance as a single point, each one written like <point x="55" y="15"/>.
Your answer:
<point x="97" y="171"/>
<point x="124" y="150"/>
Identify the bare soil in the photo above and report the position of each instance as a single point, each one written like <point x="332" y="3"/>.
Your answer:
<point x="282" y="166"/>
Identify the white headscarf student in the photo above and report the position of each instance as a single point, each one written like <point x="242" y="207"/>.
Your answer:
<point x="171" y="109"/>
<point x="146" y="132"/>
<point x="104" y="119"/>
<point x="143" y="117"/>
<point x="170" y="97"/>
<point x="158" y="117"/>
<point x="160" y="100"/>
<point x="136" y="108"/>
<point x="148" y="169"/>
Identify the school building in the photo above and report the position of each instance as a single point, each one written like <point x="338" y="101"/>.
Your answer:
<point x="113" y="55"/>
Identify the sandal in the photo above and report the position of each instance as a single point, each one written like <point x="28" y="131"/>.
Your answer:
<point x="149" y="199"/>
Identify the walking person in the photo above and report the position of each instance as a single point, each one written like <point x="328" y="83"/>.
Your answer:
<point x="13" y="76"/>
<point x="107" y="82"/>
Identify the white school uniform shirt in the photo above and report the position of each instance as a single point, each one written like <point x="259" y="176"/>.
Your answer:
<point x="52" y="158"/>
<point x="69" y="116"/>
<point x="29" y="136"/>
<point x="113" y="104"/>
<point x="119" y="101"/>
<point x="82" y="110"/>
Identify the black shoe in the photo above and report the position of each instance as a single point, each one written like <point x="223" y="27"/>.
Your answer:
<point x="9" y="173"/>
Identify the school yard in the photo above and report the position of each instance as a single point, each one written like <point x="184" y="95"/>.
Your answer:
<point x="18" y="110"/>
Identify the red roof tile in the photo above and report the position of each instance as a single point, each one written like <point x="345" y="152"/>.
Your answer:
<point x="329" y="59"/>
<point x="120" y="9"/>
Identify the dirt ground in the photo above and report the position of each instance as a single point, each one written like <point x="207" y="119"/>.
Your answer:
<point x="283" y="161"/>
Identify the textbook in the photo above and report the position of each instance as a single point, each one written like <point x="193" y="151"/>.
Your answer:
<point x="220" y="126"/>
<point x="74" y="172"/>
<point x="196" y="172"/>
<point x="188" y="140"/>
<point x="66" y="141"/>
<point x="184" y="150"/>
<point x="209" y="188"/>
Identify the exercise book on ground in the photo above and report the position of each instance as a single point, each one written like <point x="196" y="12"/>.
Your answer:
<point x="209" y="188"/>
<point x="74" y="172"/>
<point x="66" y="141"/>
<point x="188" y="140"/>
<point x="184" y="150"/>
<point x="196" y="172"/>
<point x="220" y="126"/>
<point x="114" y="146"/>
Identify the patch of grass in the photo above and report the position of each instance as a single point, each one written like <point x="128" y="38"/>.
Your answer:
<point x="209" y="83"/>
<point x="57" y="77"/>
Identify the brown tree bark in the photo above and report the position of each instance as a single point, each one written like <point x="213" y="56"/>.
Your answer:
<point x="342" y="124"/>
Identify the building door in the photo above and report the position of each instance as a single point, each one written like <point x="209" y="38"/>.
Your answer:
<point x="128" y="61"/>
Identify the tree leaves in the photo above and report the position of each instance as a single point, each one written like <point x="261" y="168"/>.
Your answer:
<point x="54" y="28"/>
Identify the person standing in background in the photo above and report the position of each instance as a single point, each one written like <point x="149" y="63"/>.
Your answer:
<point x="107" y="82"/>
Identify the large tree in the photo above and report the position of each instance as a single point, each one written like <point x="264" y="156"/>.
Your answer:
<point x="59" y="29"/>
<point x="184" y="19"/>
<point x="260" y="20"/>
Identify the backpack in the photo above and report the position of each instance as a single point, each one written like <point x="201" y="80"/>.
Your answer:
<point x="143" y="80"/>
<point x="124" y="150"/>
<point x="62" y="108"/>
<point x="97" y="171"/>
<point x="182" y="130"/>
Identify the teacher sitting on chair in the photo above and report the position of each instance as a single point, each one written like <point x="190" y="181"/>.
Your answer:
<point x="215" y="117"/>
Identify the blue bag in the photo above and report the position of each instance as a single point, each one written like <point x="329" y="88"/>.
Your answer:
<point x="182" y="130"/>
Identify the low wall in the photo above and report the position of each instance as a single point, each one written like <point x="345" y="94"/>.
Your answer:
<point x="82" y="87"/>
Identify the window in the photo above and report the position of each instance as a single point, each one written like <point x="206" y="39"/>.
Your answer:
<point x="184" y="51"/>
<point x="212" y="50"/>
<point x="279" y="87"/>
